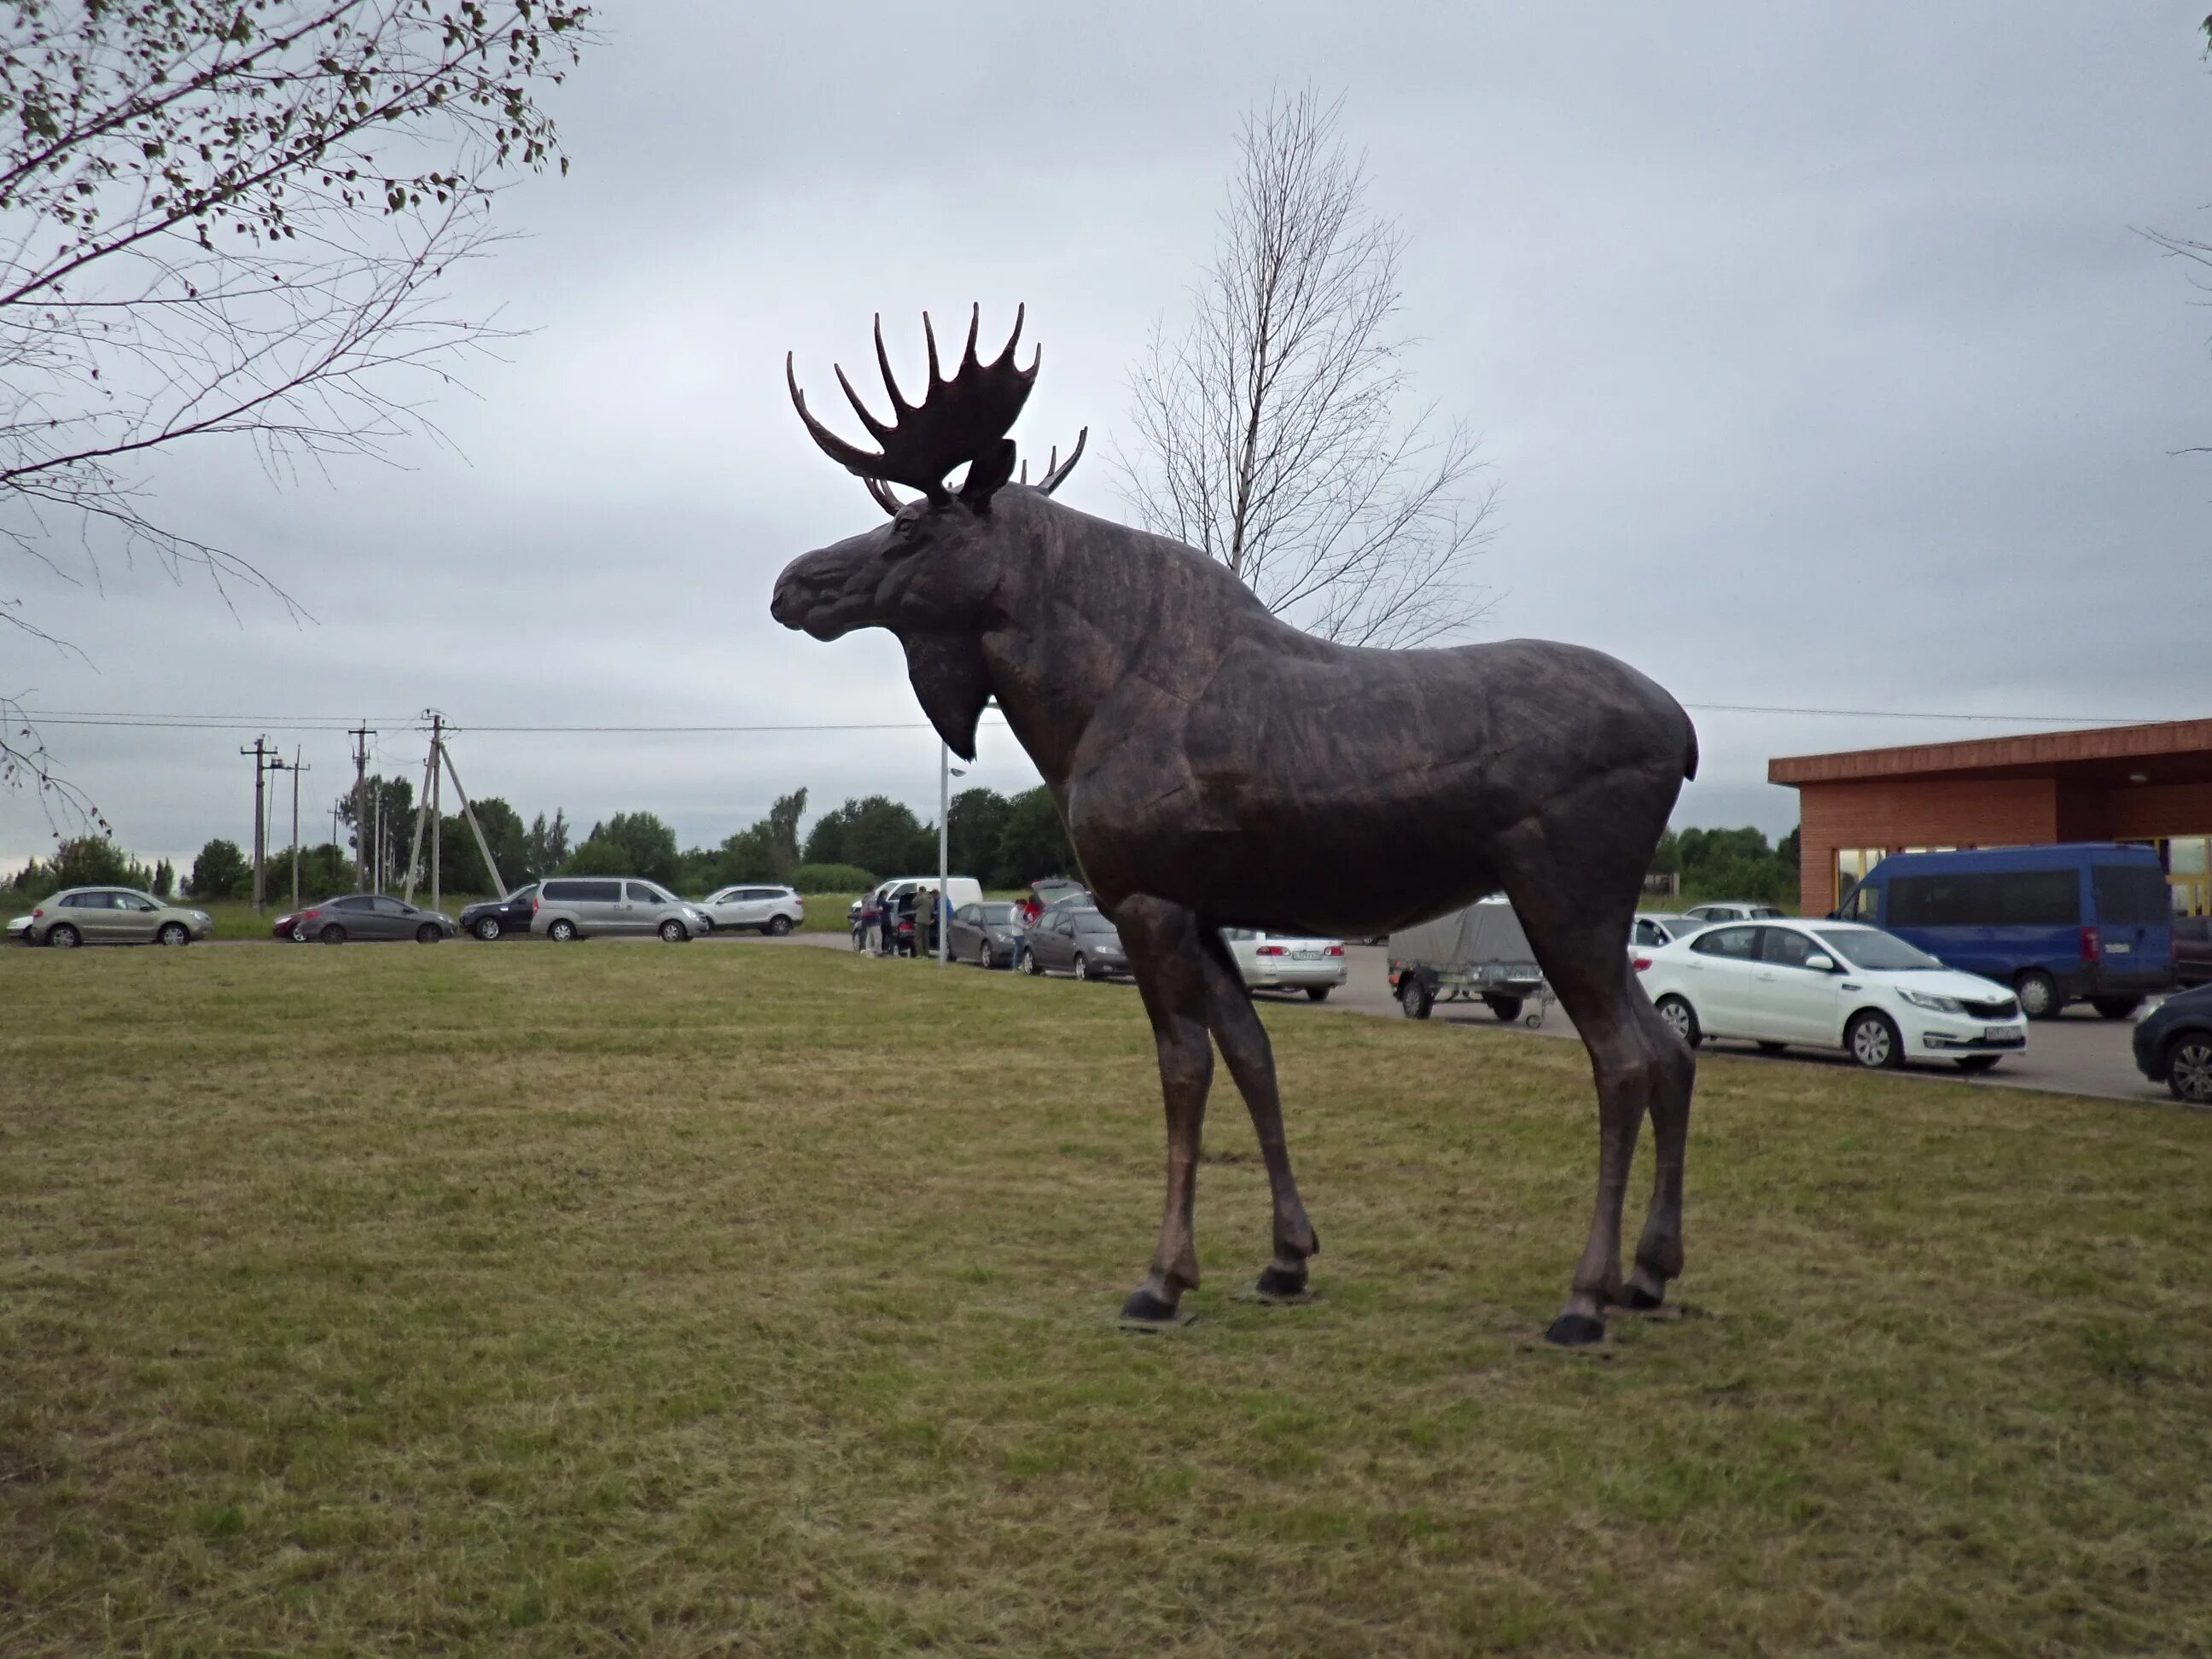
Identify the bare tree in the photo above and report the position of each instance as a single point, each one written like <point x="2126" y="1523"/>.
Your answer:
<point x="1270" y="430"/>
<point x="199" y="242"/>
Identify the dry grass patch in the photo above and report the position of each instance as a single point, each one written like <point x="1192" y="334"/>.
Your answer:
<point x="624" y="1299"/>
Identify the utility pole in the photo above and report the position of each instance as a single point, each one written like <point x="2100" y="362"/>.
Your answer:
<point x="427" y="806"/>
<point x="379" y="887"/>
<point x="483" y="846"/>
<point x="260" y="768"/>
<point x="361" y="734"/>
<point x="944" y="847"/>
<point x="296" y="769"/>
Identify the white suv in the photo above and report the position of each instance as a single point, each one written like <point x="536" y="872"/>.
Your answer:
<point x="773" y="910"/>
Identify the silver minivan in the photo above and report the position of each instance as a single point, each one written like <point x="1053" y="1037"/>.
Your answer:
<point x="588" y="907"/>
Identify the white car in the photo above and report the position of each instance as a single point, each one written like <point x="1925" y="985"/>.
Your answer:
<point x="1285" y="962"/>
<point x="775" y="910"/>
<point x="1703" y="915"/>
<point x="1831" y="985"/>
<point x="1651" y="929"/>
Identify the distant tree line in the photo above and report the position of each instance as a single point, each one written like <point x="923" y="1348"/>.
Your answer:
<point x="1003" y="840"/>
<point x="1725" y="864"/>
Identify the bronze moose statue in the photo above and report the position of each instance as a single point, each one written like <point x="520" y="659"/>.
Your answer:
<point x="1217" y="767"/>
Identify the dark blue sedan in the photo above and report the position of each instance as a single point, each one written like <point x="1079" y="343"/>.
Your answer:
<point x="499" y="918"/>
<point x="2174" y="1045"/>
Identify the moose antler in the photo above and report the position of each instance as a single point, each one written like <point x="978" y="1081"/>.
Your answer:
<point x="957" y="422"/>
<point x="1055" y="474"/>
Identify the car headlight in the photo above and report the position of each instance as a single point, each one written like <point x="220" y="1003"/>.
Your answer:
<point x="1934" y="1004"/>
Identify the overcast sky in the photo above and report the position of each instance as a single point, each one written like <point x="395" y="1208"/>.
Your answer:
<point x="1817" y="353"/>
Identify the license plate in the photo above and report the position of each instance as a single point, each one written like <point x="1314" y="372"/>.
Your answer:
<point x="1305" y="956"/>
<point x="2001" y="1033"/>
<point x="2116" y="948"/>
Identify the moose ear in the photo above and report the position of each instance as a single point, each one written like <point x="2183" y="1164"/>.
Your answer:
<point x="948" y="674"/>
<point x="988" y="474"/>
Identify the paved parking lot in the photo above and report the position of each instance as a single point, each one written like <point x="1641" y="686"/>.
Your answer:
<point x="2078" y="1055"/>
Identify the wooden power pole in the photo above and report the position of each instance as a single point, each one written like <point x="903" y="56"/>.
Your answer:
<point x="260" y="843"/>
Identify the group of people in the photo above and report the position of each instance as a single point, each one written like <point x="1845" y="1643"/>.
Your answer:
<point x="903" y="926"/>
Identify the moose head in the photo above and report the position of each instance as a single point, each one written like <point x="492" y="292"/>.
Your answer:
<point x="932" y="574"/>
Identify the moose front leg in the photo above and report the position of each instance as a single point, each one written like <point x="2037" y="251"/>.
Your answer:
<point x="1236" y="1025"/>
<point x="1162" y="941"/>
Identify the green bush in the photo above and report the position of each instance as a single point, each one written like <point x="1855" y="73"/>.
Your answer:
<point x="831" y="879"/>
<point x="221" y="871"/>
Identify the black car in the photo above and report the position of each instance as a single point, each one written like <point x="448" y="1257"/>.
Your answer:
<point x="502" y="918"/>
<point x="1074" y="938"/>
<point x="2174" y="1045"/>
<point x="988" y="934"/>
<point x="2193" y="950"/>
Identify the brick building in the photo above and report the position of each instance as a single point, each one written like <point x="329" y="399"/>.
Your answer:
<point x="2151" y="784"/>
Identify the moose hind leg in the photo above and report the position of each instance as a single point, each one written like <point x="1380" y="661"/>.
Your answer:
<point x="1580" y="946"/>
<point x="1659" y="1253"/>
<point x="1236" y="1026"/>
<point x="1162" y="941"/>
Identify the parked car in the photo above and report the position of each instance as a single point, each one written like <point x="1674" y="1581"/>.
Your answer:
<point x="773" y="910"/>
<point x="2174" y="1045"/>
<point x="1058" y="889"/>
<point x="1831" y="985"/>
<point x="113" y="915"/>
<point x="988" y="934"/>
<point x="1074" y="938"/>
<point x="19" y="928"/>
<point x="2193" y="950"/>
<point x="959" y="891"/>
<point x="1730" y="910"/>
<point x="1286" y="962"/>
<point x="1653" y="928"/>
<point x="507" y="918"/>
<point x="591" y="907"/>
<point x="368" y="917"/>
<point x="2084" y="922"/>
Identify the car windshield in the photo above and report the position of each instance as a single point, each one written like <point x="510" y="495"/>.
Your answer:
<point x="1092" y="922"/>
<point x="1876" y="952"/>
<point x="999" y="916"/>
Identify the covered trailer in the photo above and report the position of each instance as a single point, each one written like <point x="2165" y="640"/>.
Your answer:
<point x="1480" y="953"/>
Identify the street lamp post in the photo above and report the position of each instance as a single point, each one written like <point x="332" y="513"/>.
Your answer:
<point x="944" y="846"/>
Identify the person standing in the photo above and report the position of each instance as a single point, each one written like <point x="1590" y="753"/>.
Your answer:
<point x="925" y="925"/>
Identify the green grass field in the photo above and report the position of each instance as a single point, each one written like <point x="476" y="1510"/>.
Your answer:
<point x="624" y="1300"/>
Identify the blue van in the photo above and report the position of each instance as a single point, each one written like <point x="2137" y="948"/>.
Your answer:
<point x="2085" y="922"/>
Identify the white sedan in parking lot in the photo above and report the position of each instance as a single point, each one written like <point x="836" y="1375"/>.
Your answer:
<point x="1279" y="961"/>
<point x="1831" y="985"/>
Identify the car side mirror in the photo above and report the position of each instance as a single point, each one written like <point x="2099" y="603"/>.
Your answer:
<point x="1821" y="964"/>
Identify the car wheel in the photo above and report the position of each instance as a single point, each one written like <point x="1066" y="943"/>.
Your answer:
<point x="488" y="929"/>
<point x="331" y="934"/>
<point x="1508" y="1009"/>
<point x="2116" y="1007"/>
<point x="1317" y="993"/>
<point x="1683" y="1018"/>
<point x="299" y="936"/>
<point x="1082" y="968"/>
<point x="983" y="955"/>
<point x="2189" y="1067"/>
<point x="1872" y="1041"/>
<point x="174" y="933"/>
<point x="1032" y="966"/>
<point x="429" y="933"/>
<point x="1766" y="1047"/>
<point x="778" y="926"/>
<point x="62" y="937"/>
<point x="561" y="930"/>
<point x="672" y="931"/>
<point x="2039" y="994"/>
<point x="1414" y="998"/>
<point x="1972" y="1064"/>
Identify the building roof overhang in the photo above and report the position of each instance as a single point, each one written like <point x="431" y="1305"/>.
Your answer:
<point x="2170" y="751"/>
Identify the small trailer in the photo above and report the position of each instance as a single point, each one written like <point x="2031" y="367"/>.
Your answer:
<point x="1478" y="954"/>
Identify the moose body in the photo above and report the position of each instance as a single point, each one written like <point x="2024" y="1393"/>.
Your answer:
<point x="1216" y="767"/>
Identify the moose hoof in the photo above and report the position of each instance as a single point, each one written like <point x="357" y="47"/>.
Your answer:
<point x="1639" y="1300"/>
<point x="1282" y="1285"/>
<point x="1143" y="1308"/>
<point x="1576" y="1330"/>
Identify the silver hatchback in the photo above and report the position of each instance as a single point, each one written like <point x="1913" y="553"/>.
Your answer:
<point x="592" y="907"/>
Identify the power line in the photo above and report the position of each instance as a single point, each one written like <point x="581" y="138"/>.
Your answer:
<point x="346" y="724"/>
